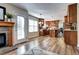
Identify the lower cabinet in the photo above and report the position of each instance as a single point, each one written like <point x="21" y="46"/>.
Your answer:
<point x="52" y="33"/>
<point x="70" y="37"/>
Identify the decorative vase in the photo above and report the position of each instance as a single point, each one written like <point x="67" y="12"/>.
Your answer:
<point x="9" y="20"/>
<point x="6" y="18"/>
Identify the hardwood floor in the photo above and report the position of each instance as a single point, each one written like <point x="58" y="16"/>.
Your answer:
<point x="53" y="45"/>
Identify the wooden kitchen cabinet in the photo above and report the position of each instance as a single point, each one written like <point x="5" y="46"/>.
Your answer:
<point x="66" y="36"/>
<point x="66" y="19"/>
<point x="66" y="24"/>
<point x="72" y="13"/>
<point x="70" y="37"/>
<point x="73" y="38"/>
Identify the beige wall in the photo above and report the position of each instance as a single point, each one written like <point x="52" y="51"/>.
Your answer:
<point x="33" y="34"/>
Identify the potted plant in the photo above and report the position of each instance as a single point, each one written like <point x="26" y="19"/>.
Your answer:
<point x="9" y="16"/>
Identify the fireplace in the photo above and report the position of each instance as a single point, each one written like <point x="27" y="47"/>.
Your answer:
<point x="6" y="30"/>
<point x="2" y="40"/>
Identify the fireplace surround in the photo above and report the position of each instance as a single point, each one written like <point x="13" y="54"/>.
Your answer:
<point x="8" y="27"/>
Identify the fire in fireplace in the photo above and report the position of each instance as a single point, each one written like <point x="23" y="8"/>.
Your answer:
<point x="2" y="40"/>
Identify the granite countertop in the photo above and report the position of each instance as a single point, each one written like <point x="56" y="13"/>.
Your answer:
<point x="69" y="30"/>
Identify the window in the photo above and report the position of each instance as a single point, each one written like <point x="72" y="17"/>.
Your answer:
<point x="20" y="27"/>
<point x="33" y="25"/>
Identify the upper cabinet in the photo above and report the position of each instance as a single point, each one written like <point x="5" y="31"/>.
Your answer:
<point x="71" y="17"/>
<point x="66" y="19"/>
<point x="72" y="13"/>
<point x="52" y="23"/>
<point x="66" y="24"/>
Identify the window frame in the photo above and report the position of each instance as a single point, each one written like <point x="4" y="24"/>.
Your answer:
<point x="33" y="25"/>
<point x="20" y="29"/>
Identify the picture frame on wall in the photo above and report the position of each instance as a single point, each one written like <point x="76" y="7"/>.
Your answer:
<point x="2" y="13"/>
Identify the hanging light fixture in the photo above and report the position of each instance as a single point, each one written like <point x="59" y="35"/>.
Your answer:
<point x="40" y="18"/>
<point x="40" y="15"/>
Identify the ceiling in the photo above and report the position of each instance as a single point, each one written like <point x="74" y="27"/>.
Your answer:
<point x="48" y="11"/>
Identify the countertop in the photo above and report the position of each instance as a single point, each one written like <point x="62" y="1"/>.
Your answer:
<point x="69" y="30"/>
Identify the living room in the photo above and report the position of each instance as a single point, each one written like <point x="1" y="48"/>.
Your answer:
<point x="32" y="25"/>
